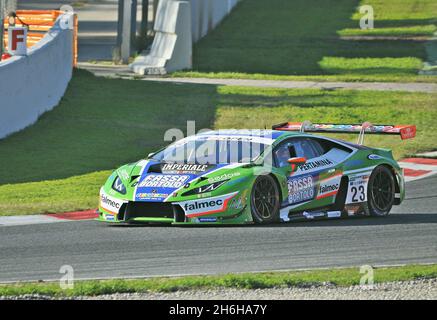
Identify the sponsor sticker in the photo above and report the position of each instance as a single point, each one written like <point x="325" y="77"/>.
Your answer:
<point x="301" y="189"/>
<point x="334" y="214"/>
<point x="357" y="188"/>
<point x="315" y="164"/>
<point x="207" y="219"/>
<point x="145" y="195"/>
<point x="184" y="168"/>
<point x="374" y="157"/>
<point x="312" y="215"/>
<point x="164" y="181"/>
<point x="239" y="202"/>
<point x="109" y="203"/>
<point x="225" y="176"/>
<point x="212" y="205"/>
<point x="329" y="187"/>
<point x="109" y="217"/>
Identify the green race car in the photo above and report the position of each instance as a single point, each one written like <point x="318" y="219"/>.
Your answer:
<point x="258" y="176"/>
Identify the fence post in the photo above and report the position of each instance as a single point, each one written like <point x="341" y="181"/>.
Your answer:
<point x="2" y="26"/>
<point x="126" y="30"/>
<point x="144" y="17"/>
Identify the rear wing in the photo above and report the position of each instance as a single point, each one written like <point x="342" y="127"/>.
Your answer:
<point x="405" y="131"/>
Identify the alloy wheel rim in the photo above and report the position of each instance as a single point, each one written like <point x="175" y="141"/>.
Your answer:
<point x="264" y="198"/>
<point x="382" y="191"/>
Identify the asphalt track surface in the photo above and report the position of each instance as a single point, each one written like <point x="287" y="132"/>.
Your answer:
<point x="96" y="250"/>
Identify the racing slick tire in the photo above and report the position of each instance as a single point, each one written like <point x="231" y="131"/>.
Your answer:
<point x="265" y="200"/>
<point x="381" y="191"/>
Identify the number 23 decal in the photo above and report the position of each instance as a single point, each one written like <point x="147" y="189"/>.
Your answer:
<point x="357" y="190"/>
<point x="358" y="194"/>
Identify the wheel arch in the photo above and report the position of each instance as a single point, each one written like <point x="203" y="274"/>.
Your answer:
<point x="340" y="199"/>
<point x="278" y="184"/>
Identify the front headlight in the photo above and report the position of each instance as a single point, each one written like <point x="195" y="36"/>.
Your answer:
<point x="119" y="186"/>
<point x="207" y="188"/>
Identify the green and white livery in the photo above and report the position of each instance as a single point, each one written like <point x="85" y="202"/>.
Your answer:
<point x="258" y="176"/>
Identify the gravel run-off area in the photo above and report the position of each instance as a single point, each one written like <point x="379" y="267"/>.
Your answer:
<point x="417" y="289"/>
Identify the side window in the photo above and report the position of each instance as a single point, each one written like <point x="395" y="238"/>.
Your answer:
<point x="281" y="155"/>
<point x="297" y="147"/>
<point x="312" y="148"/>
<point x="286" y="150"/>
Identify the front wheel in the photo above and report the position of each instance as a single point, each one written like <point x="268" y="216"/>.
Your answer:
<point x="264" y="200"/>
<point x="381" y="191"/>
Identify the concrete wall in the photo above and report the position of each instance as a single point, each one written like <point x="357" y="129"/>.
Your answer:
<point x="179" y="24"/>
<point x="33" y="84"/>
<point x="207" y="14"/>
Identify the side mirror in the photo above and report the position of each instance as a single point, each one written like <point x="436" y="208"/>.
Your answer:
<point x="295" y="162"/>
<point x="150" y="155"/>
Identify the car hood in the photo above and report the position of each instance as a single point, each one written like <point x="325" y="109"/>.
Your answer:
<point x="158" y="180"/>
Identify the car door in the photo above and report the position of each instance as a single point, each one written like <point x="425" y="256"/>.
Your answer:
<point x="313" y="184"/>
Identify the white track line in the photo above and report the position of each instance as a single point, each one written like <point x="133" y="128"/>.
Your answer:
<point x="26" y="220"/>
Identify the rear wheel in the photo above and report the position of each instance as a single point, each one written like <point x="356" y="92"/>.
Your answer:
<point x="265" y="200"/>
<point x="381" y="191"/>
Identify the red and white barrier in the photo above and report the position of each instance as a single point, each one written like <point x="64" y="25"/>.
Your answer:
<point x="418" y="168"/>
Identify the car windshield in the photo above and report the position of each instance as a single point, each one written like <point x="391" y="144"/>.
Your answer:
<point x="211" y="150"/>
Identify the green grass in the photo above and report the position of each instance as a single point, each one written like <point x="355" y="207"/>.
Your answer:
<point x="101" y="123"/>
<point x="370" y="66"/>
<point x="339" y="277"/>
<point x="410" y="31"/>
<point x="349" y="77"/>
<point x="398" y="18"/>
<point x="58" y="164"/>
<point x="292" y="40"/>
<point x="52" y="196"/>
<point x="254" y="107"/>
<point x="397" y="12"/>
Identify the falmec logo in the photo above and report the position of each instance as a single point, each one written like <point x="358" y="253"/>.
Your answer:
<point x="110" y="204"/>
<point x="204" y="205"/>
<point x="329" y="188"/>
<point x="207" y="206"/>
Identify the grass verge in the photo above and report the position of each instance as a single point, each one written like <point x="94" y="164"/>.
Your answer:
<point x="375" y="77"/>
<point x="410" y="31"/>
<point x="52" y="196"/>
<point x="293" y="39"/>
<point x="100" y="124"/>
<point x="244" y="107"/>
<point x="339" y="277"/>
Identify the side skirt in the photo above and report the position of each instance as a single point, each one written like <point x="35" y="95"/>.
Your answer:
<point x="313" y="215"/>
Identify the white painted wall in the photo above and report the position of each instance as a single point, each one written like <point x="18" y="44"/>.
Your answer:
<point x="172" y="46"/>
<point x="34" y="84"/>
<point x="207" y="14"/>
<point x="179" y="24"/>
